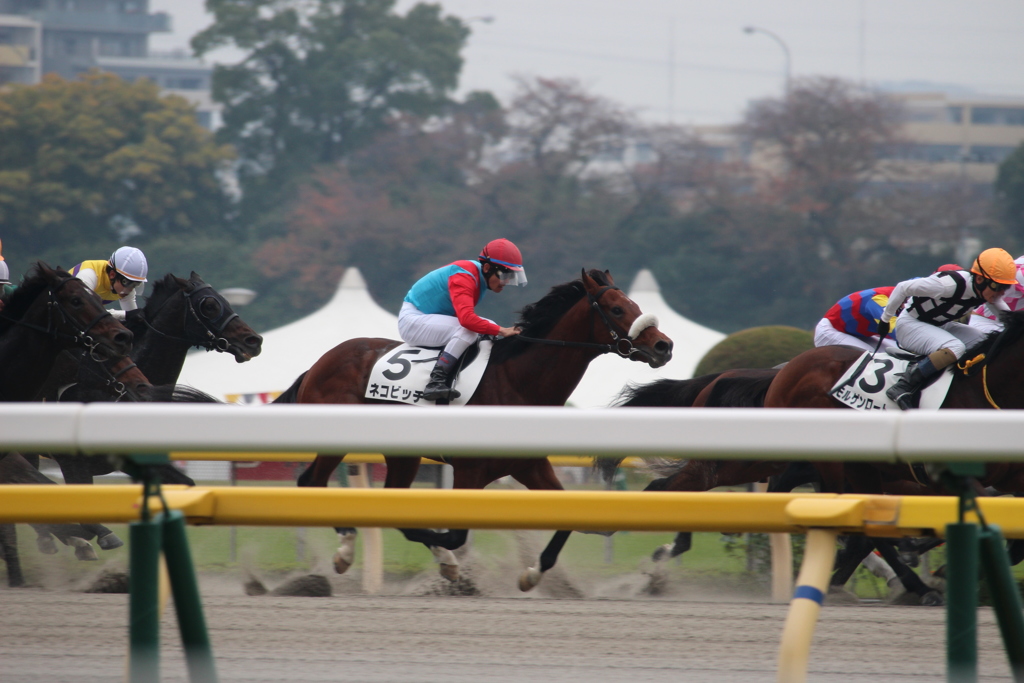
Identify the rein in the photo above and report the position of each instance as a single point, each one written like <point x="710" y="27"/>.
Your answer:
<point x="617" y="345"/>
<point x="212" y="342"/>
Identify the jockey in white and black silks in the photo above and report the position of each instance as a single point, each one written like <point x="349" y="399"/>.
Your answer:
<point x="440" y="309"/>
<point x="987" y="321"/>
<point x="928" y="326"/>
<point x="115" y="279"/>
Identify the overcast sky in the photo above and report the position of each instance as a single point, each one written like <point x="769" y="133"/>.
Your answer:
<point x="690" y="61"/>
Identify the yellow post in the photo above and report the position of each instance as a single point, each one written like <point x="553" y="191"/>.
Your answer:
<point x="373" y="547"/>
<point x="811" y="588"/>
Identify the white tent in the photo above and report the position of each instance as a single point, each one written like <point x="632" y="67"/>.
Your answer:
<point x="608" y="374"/>
<point x="290" y="350"/>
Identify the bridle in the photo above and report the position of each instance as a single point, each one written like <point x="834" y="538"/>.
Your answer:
<point x="621" y="344"/>
<point x="55" y="308"/>
<point x="209" y="334"/>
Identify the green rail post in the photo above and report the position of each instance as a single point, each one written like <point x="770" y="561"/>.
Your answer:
<point x="143" y="602"/>
<point x="962" y="603"/>
<point x="1006" y="600"/>
<point x="187" y="602"/>
<point x="962" y="552"/>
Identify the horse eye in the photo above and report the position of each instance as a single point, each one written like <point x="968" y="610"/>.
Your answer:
<point x="616" y="310"/>
<point x="76" y="301"/>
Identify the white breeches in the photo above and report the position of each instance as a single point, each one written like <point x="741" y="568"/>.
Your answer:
<point x="986" y="325"/>
<point x="827" y="335"/>
<point x="432" y="329"/>
<point x="924" y="338"/>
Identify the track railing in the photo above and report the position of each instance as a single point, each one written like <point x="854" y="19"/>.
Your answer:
<point x="946" y="436"/>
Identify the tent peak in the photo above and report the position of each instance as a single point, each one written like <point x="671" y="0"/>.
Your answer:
<point x="644" y="282"/>
<point x="352" y="279"/>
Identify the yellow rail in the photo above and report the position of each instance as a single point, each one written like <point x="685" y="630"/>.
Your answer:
<point x="353" y="458"/>
<point x="498" y="509"/>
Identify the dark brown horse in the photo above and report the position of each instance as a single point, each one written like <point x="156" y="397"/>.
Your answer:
<point x="575" y="323"/>
<point x="50" y="312"/>
<point x="806" y="380"/>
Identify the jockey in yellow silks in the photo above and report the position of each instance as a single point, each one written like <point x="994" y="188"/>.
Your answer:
<point x="115" y="279"/>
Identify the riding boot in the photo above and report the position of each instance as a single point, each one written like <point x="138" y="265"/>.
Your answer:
<point x="440" y="385"/>
<point x="905" y="392"/>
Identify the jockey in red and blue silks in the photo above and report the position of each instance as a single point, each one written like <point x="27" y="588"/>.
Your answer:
<point x="853" y="320"/>
<point x="439" y="309"/>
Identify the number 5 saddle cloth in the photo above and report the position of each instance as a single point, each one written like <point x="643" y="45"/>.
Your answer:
<point x="403" y="372"/>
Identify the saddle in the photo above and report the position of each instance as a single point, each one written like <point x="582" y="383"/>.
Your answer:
<point x="402" y="373"/>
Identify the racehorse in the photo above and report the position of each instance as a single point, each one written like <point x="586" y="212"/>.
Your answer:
<point x="573" y="324"/>
<point x="179" y="314"/>
<point x="992" y="380"/>
<point x="52" y="311"/>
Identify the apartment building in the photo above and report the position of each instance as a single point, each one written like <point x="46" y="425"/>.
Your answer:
<point x="20" y="50"/>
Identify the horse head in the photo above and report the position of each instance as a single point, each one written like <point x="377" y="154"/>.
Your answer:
<point x="76" y="314"/>
<point x="222" y="325"/>
<point x="632" y="333"/>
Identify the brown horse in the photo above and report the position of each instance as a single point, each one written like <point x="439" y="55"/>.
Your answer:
<point x="806" y="380"/>
<point x="575" y="323"/>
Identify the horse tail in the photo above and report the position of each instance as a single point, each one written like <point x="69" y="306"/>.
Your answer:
<point x="178" y="393"/>
<point x="664" y="393"/>
<point x="740" y="392"/>
<point x="291" y="393"/>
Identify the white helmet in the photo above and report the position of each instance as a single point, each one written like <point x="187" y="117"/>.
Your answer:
<point x="131" y="263"/>
<point x="5" y="273"/>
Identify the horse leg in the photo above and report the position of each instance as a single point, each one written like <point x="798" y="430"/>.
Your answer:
<point x="847" y="559"/>
<point x="540" y="475"/>
<point x="80" y="470"/>
<point x="9" y="550"/>
<point x="682" y="543"/>
<point x="910" y="580"/>
<point x="401" y="473"/>
<point x="318" y="473"/>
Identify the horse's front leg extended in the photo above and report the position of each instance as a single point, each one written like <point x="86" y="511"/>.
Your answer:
<point x="540" y="475"/>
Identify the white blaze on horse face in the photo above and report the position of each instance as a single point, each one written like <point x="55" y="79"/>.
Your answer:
<point x="642" y="323"/>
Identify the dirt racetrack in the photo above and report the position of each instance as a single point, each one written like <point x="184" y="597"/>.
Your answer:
<point x="415" y="633"/>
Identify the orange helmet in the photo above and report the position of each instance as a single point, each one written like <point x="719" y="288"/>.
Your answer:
<point x="997" y="265"/>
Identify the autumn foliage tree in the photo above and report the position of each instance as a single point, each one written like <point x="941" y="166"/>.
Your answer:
<point x="86" y="164"/>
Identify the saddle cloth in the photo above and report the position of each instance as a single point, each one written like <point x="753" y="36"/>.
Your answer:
<point x="404" y="371"/>
<point x="867" y="390"/>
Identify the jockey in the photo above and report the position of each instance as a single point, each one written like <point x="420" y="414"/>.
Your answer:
<point x="5" y="279"/>
<point x="928" y="325"/>
<point x="853" y="321"/>
<point x="985" y="320"/>
<point x="439" y="309"/>
<point x="115" y="279"/>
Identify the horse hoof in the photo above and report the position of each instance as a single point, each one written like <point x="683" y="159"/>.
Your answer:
<point x="341" y="565"/>
<point x="449" y="571"/>
<point x="933" y="599"/>
<point x="46" y="545"/>
<point x="529" y="579"/>
<point x="662" y="553"/>
<point x="84" y="550"/>
<point x="109" y="542"/>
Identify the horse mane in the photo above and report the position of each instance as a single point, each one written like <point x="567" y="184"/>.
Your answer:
<point x="17" y="303"/>
<point x="537" y="319"/>
<point x="996" y="341"/>
<point x="163" y="289"/>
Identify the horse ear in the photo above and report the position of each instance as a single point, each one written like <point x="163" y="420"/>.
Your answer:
<point x="608" y="274"/>
<point x="194" y="276"/>
<point x="182" y="282"/>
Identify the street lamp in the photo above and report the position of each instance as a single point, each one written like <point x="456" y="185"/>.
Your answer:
<point x="780" y="41"/>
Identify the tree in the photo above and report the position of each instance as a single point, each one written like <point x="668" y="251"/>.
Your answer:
<point x="89" y="163"/>
<point x="1009" y="189"/>
<point x="323" y="78"/>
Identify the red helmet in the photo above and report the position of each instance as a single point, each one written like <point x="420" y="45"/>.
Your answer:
<point x="949" y="267"/>
<point x="506" y="255"/>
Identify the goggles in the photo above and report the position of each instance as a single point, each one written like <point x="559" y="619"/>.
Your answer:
<point x="507" y="276"/>
<point x="125" y="282"/>
<point x="998" y="286"/>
